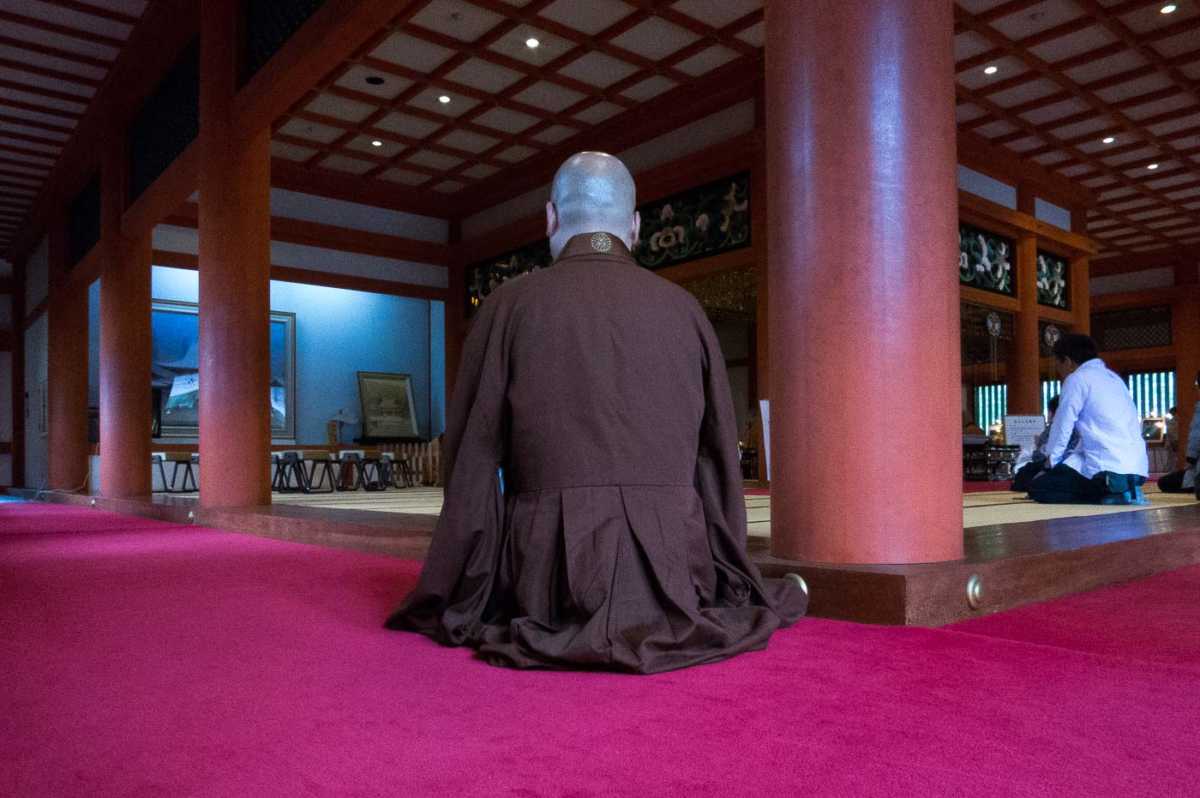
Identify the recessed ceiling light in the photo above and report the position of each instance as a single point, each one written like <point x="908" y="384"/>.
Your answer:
<point x="444" y="99"/>
<point x="1152" y="166"/>
<point x="532" y="43"/>
<point x="991" y="70"/>
<point x="376" y="143"/>
<point x="1108" y="139"/>
<point x="374" y="80"/>
<point x="1169" y="8"/>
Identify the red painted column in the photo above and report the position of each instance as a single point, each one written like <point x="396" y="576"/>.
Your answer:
<point x="67" y="376"/>
<point x="125" y="344"/>
<point x="235" y="288"/>
<point x="1024" y="372"/>
<point x="864" y="340"/>
<point x="1185" y="321"/>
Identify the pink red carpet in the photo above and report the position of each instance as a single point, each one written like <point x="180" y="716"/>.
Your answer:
<point x="142" y="659"/>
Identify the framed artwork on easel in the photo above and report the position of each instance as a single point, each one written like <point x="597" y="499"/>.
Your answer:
<point x="388" y="409"/>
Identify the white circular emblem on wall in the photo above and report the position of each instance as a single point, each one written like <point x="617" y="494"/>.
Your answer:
<point x="1051" y="335"/>
<point x="601" y="242"/>
<point x="994" y="326"/>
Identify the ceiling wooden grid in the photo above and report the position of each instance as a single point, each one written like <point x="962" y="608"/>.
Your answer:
<point x="54" y="57"/>
<point x="1103" y="92"/>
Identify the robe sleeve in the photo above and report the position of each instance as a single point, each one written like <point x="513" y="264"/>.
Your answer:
<point x="723" y="495"/>
<point x="1070" y="405"/>
<point x="451" y="597"/>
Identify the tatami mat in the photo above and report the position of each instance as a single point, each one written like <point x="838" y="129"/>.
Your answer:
<point x="979" y="509"/>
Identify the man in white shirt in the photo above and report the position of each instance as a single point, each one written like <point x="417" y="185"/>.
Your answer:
<point x="1185" y="481"/>
<point x="1110" y="458"/>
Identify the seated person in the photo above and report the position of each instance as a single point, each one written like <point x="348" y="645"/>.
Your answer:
<point x="1036" y="464"/>
<point x="1185" y="481"/>
<point x="1095" y="403"/>
<point x="617" y="538"/>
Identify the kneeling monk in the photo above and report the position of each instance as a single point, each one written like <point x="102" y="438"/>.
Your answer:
<point x="616" y="537"/>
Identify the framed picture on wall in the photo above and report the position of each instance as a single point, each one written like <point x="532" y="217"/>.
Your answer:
<point x="175" y="369"/>
<point x="388" y="410"/>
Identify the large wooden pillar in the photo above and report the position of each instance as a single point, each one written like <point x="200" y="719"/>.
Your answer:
<point x="125" y="343"/>
<point x="235" y="288"/>
<point x="1081" y="278"/>
<point x="454" y="318"/>
<point x="1185" y="332"/>
<point x="1024" y="373"/>
<point x="864" y="300"/>
<point x="67" y="376"/>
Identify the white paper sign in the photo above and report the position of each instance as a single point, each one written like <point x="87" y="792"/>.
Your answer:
<point x="1023" y="431"/>
<point x="764" y="408"/>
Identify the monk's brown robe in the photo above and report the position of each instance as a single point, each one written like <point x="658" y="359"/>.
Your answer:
<point x="619" y="541"/>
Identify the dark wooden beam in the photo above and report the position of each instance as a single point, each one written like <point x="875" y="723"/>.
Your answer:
<point x="165" y="29"/>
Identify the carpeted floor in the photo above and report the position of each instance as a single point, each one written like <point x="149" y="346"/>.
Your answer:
<point x="142" y="659"/>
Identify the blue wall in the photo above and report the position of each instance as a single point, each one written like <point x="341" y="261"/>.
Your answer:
<point x="338" y="333"/>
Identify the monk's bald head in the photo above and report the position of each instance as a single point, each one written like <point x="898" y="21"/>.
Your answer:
<point x="592" y="192"/>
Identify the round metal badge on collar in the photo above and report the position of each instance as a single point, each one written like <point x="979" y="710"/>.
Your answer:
<point x="601" y="242"/>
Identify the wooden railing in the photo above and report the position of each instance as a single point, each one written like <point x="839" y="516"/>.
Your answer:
<point x="425" y="458"/>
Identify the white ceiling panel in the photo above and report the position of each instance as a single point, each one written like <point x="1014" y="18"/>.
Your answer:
<point x="1047" y="114"/>
<point x="965" y="112"/>
<point x="411" y="52"/>
<point x="555" y="134"/>
<point x="1082" y="128"/>
<point x="598" y="112"/>
<point x="550" y="47"/>
<point x="291" y="152"/>
<point x="1177" y="45"/>
<point x="25" y="56"/>
<point x="706" y="61"/>
<point x="464" y="21"/>
<point x="403" y="177"/>
<point x="649" y="88"/>
<point x="1133" y="88"/>
<point x="1106" y="67"/>
<point x="1182" y="123"/>
<point x="598" y="69"/>
<point x="655" y="38"/>
<point x="505" y="120"/>
<point x="754" y="35"/>
<point x="483" y="75"/>
<point x="994" y="129"/>
<point x="58" y="15"/>
<point x="587" y="16"/>
<point x="1027" y="143"/>
<point x="434" y="160"/>
<point x="1043" y="16"/>
<point x="407" y="125"/>
<point x="1160" y="106"/>
<point x="343" y="163"/>
<point x="373" y="81"/>
<point x="1026" y="92"/>
<point x="718" y="13"/>
<point x="469" y="141"/>
<point x="458" y="105"/>
<point x="516" y="153"/>
<point x="969" y="44"/>
<point x="301" y="128"/>
<point x="1073" y="44"/>
<point x="340" y="108"/>
<point x="1006" y="67"/>
<point x="480" y="171"/>
<point x="50" y="103"/>
<point x="549" y="96"/>
<point x="366" y="144"/>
